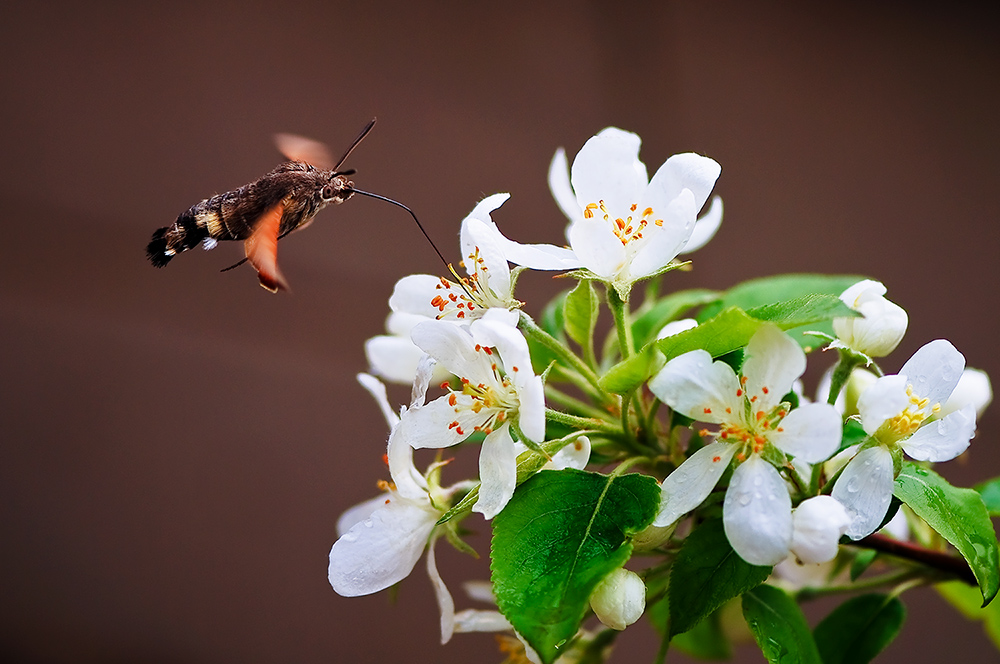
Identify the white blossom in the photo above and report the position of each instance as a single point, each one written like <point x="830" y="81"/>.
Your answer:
<point x="498" y="386"/>
<point x="880" y="330"/>
<point x="904" y="411"/>
<point x="751" y="415"/>
<point x="817" y="524"/>
<point x="625" y="227"/>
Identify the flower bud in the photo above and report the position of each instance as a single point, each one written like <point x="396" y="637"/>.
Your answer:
<point x="973" y="387"/>
<point x="619" y="599"/>
<point x="676" y="327"/>
<point x="883" y="325"/>
<point x="817" y="525"/>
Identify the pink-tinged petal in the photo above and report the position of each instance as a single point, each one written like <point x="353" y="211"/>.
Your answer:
<point x="692" y="481"/>
<point x="561" y="188"/>
<point x="757" y="513"/>
<point x="773" y="362"/>
<point x="884" y="399"/>
<point x="381" y="550"/>
<point x="497" y="473"/>
<point x="695" y="386"/>
<point x="934" y="371"/>
<point x="441" y="424"/>
<point x="413" y="294"/>
<point x="865" y="489"/>
<point x="944" y="439"/>
<point x="608" y="169"/>
<point x="444" y="601"/>
<point x="817" y="524"/>
<point x="482" y="240"/>
<point x="812" y="432"/>
<point x="357" y="513"/>
<point x="597" y="247"/>
<point x="687" y="171"/>
<point x="393" y="358"/>
<point x="453" y="347"/>
<point x="662" y="243"/>
<point x="706" y="227"/>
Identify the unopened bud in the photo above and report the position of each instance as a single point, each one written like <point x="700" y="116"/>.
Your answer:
<point x="883" y="325"/>
<point x="973" y="388"/>
<point x="817" y="525"/>
<point x="619" y="599"/>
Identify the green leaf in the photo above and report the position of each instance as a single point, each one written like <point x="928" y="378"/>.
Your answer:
<point x="706" y="574"/>
<point x="966" y="599"/>
<point x="778" y="626"/>
<point x="649" y="322"/>
<point x="768" y="290"/>
<point x="633" y="372"/>
<point x="863" y="559"/>
<point x="806" y="310"/>
<point x="859" y="629"/>
<point x="706" y="640"/>
<point x="557" y="538"/>
<point x="580" y="313"/>
<point x="959" y="516"/>
<point x="990" y="493"/>
<point x="854" y="433"/>
<point x="552" y="322"/>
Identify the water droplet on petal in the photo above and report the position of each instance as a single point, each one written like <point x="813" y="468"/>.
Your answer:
<point x="744" y="499"/>
<point x="852" y="485"/>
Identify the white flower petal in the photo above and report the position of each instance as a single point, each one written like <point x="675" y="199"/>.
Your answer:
<point x="692" y="481"/>
<point x="608" y="169"/>
<point x="476" y="620"/>
<point x="773" y="361"/>
<point x="485" y="207"/>
<point x="376" y="388"/>
<point x="497" y="472"/>
<point x="884" y="399"/>
<point x="393" y="358"/>
<point x="757" y="513"/>
<point x="433" y="426"/>
<point x="575" y="455"/>
<point x="688" y="171"/>
<point x="811" y="432"/>
<point x="597" y="247"/>
<point x="934" y="370"/>
<point x="561" y="188"/>
<point x="357" y="513"/>
<point x="399" y="454"/>
<point x="413" y="294"/>
<point x="381" y="550"/>
<point x="421" y="380"/>
<point x="865" y="489"/>
<point x="883" y="325"/>
<point x="973" y="387"/>
<point x="944" y="439"/>
<point x="817" y="524"/>
<point x="444" y="601"/>
<point x="661" y="244"/>
<point x="695" y="386"/>
<point x="453" y="347"/>
<point x="481" y="240"/>
<point x="706" y="227"/>
<point x="676" y="327"/>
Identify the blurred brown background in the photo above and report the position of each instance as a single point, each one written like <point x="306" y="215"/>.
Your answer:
<point x="177" y="444"/>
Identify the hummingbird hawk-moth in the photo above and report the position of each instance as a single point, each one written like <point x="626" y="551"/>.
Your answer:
<point x="266" y="210"/>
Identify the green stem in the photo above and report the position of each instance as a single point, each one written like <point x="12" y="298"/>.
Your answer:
<point x="619" y="309"/>
<point x="842" y="373"/>
<point x="891" y="578"/>
<point x="531" y="330"/>
<point x="581" y="422"/>
<point x="573" y="404"/>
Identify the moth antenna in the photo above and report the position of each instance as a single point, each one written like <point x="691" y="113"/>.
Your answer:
<point x="361" y="136"/>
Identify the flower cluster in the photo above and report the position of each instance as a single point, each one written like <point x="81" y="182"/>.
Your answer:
<point x="710" y="410"/>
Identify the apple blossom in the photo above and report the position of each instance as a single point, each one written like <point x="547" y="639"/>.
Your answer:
<point x="489" y="282"/>
<point x="817" y="524"/>
<point x="973" y="387"/>
<point x="883" y="325"/>
<point x="749" y="409"/>
<point x="498" y="387"/>
<point x="902" y="411"/>
<point x="625" y="227"/>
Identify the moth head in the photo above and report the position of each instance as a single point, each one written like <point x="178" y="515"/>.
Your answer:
<point x="337" y="190"/>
